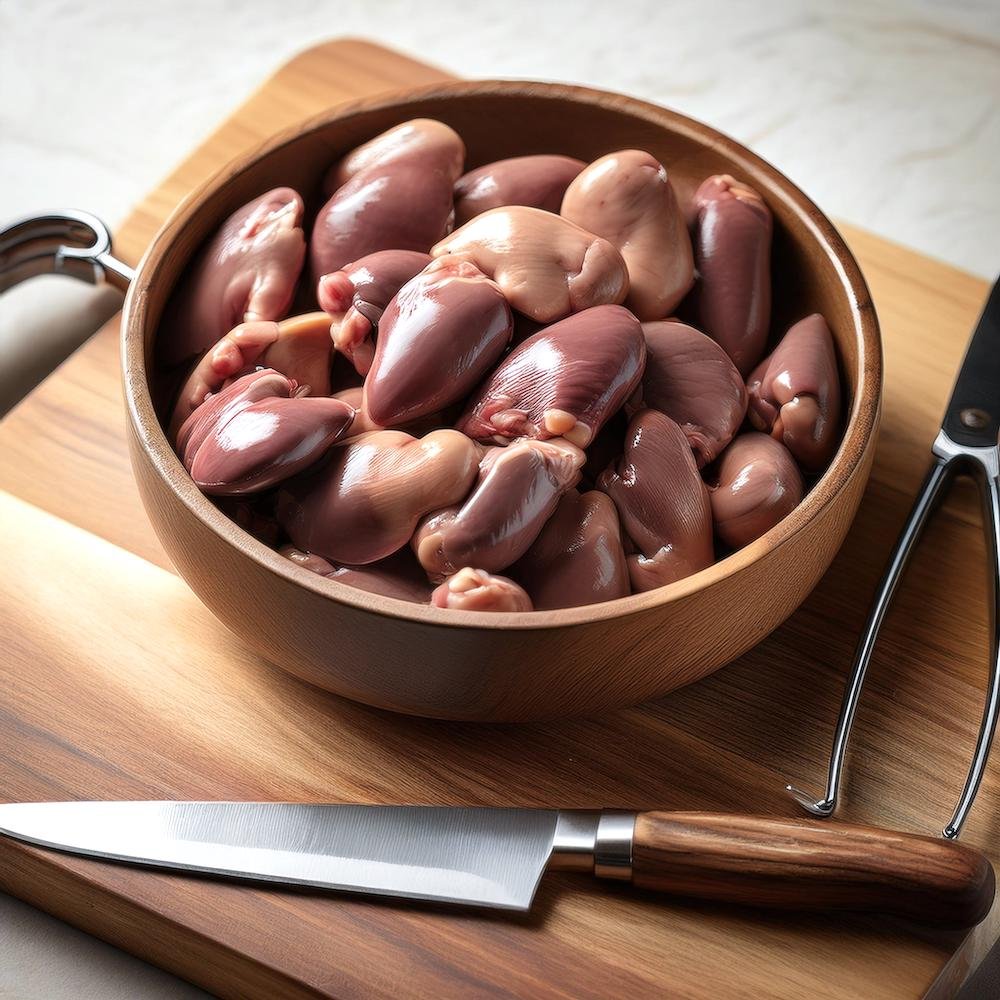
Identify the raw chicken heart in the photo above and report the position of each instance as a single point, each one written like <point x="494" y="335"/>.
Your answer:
<point x="476" y="590"/>
<point x="438" y="337"/>
<point x="257" y="432"/>
<point x="365" y="502"/>
<point x="356" y="297"/>
<point x="518" y="489"/>
<point x="758" y="485"/>
<point x="795" y="393"/>
<point x="627" y="198"/>
<point x="538" y="181"/>
<point x="247" y="271"/>
<point x="662" y="502"/>
<point x="564" y="381"/>
<point x="545" y="265"/>
<point x="578" y="558"/>
<point x="690" y="378"/>
<point x="731" y="300"/>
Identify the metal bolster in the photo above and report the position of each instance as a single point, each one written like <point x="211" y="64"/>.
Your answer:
<point x="591" y="841"/>
<point x="613" y="849"/>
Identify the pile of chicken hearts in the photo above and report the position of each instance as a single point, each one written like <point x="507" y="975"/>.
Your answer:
<point x="541" y="368"/>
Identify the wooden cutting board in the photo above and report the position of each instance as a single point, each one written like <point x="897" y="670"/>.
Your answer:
<point x="116" y="683"/>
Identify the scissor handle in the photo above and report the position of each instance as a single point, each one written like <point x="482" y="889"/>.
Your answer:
<point x="69" y="242"/>
<point x="986" y="470"/>
<point x="950" y="460"/>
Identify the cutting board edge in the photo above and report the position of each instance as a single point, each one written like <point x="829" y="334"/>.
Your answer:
<point x="122" y="922"/>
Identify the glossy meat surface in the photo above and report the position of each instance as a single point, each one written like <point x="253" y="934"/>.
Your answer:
<point x="438" y="337"/>
<point x="247" y="271"/>
<point x="546" y="266"/>
<point x="578" y="558"/>
<point x="627" y="198"/>
<point x="538" y="181"/>
<point x="517" y="491"/>
<point x="540" y="305"/>
<point x="364" y="503"/>
<point x="298" y="347"/>
<point x="758" y="485"/>
<point x="731" y="299"/>
<point x="690" y="378"/>
<point x="393" y="193"/>
<point x="356" y="296"/>
<point x="258" y="432"/>
<point x="424" y="139"/>
<point x="476" y="590"/>
<point x="397" y="576"/>
<point x="565" y="381"/>
<point x="795" y="394"/>
<point x="401" y="206"/>
<point x="662" y="502"/>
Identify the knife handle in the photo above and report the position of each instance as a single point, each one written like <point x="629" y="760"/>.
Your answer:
<point x="811" y="865"/>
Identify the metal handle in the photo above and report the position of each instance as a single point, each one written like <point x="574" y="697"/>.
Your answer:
<point x="71" y="242"/>
<point x="951" y="459"/>
<point x="987" y="473"/>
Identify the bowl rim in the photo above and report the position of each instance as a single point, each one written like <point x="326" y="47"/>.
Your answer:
<point x="862" y="420"/>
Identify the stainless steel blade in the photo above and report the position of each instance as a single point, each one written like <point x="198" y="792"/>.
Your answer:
<point x="487" y="857"/>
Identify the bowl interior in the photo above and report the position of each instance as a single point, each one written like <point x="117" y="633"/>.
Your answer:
<point x="812" y="271"/>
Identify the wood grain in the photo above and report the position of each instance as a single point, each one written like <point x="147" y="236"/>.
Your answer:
<point x="138" y="692"/>
<point x="116" y="682"/>
<point x="804" y="864"/>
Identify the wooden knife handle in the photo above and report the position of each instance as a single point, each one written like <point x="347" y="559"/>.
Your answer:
<point x="811" y="865"/>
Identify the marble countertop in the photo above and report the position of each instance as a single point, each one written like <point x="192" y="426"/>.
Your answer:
<point x="885" y="111"/>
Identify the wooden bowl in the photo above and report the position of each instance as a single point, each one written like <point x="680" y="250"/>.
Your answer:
<point x="427" y="661"/>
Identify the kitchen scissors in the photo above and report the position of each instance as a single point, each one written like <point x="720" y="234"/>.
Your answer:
<point x="966" y="444"/>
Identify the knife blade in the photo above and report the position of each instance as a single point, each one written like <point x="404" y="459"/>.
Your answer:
<point x="495" y="857"/>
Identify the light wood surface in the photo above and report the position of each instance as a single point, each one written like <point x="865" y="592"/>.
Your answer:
<point x="116" y="682"/>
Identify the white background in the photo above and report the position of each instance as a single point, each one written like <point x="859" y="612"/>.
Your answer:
<point x="886" y="112"/>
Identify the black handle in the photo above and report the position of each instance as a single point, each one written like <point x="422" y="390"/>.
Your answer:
<point x="973" y="415"/>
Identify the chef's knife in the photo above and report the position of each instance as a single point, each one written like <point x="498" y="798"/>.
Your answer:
<point x="496" y="857"/>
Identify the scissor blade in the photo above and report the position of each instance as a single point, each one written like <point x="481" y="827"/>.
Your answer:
<point x="973" y="415"/>
<point x="484" y="857"/>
